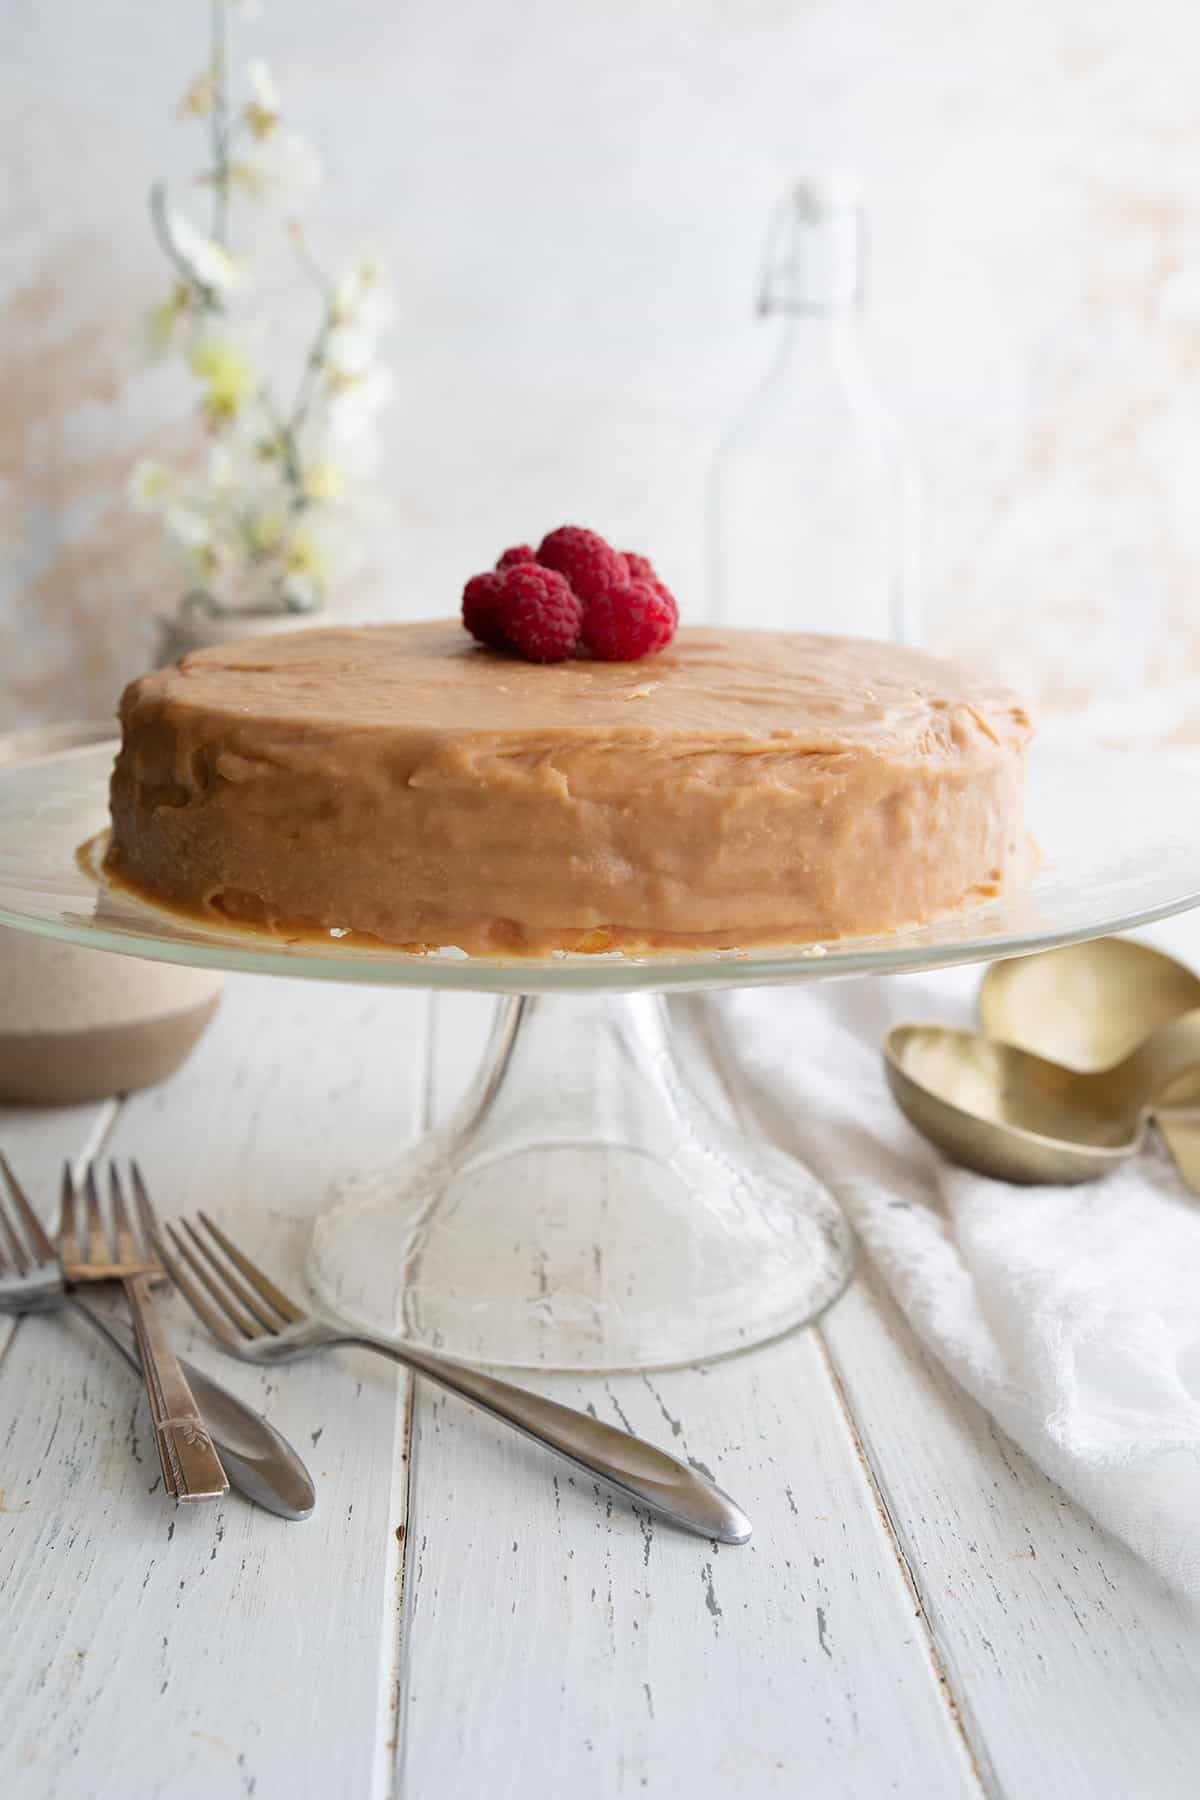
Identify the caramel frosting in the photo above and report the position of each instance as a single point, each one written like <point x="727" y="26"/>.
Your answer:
<point x="738" y="788"/>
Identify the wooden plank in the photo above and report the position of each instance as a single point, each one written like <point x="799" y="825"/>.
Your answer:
<point x="1079" y="1672"/>
<point x="36" y="1140"/>
<point x="217" y="1651"/>
<point x="1076" y="1673"/>
<point x="558" y="1641"/>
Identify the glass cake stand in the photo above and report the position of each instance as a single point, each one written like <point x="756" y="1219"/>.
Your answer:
<point x="583" y="1208"/>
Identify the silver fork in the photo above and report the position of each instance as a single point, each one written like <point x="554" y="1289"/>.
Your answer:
<point x="30" y="1273"/>
<point x="256" y="1321"/>
<point x="258" y="1460"/>
<point x="191" y="1468"/>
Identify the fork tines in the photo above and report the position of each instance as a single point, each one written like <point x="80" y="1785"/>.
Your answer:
<point x="95" y="1241"/>
<point x="32" y="1248"/>
<point x="29" y="1271"/>
<point x="223" y="1274"/>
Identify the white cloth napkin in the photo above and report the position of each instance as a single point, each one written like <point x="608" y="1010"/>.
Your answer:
<point x="1071" y="1313"/>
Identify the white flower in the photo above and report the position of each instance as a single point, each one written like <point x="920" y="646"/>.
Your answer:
<point x="265" y="529"/>
<point x="208" y="261"/>
<point x="188" y="526"/>
<point x="198" y="97"/>
<point x="229" y="377"/>
<point x="221" y="470"/>
<point x="348" y="352"/>
<point x="353" y="404"/>
<point x="262" y="110"/>
<point x="151" y="485"/>
<point x="364" y="296"/>
<point x="306" y="569"/>
<point x="323" y="480"/>
<point x="283" y="170"/>
<point x="162" y="323"/>
<point x="348" y="444"/>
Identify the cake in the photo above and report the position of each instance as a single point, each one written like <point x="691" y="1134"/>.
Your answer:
<point x="739" y="788"/>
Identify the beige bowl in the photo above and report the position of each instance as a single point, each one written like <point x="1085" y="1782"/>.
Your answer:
<point x="78" y="1024"/>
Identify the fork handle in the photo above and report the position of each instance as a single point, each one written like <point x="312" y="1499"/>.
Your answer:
<point x="191" y="1467"/>
<point x="639" y="1469"/>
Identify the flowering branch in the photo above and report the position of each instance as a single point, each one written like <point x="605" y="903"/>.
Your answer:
<point x="163" y="231"/>
<point x="314" y="361"/>
<point x="220" y="126"/>
<point x="270" y="517"/>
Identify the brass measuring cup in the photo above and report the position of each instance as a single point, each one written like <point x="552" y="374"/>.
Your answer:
<point x="1078" y="1044"/>
<point x="1087" y="1006"/>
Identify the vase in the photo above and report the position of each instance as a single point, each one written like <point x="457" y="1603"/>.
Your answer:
<point x="179" y="632"/>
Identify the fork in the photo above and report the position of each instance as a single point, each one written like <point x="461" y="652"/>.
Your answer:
<point x="30" y="1275"/>
<point x="191" y="1468"/>
<point x="256" y="1321"/>
<point x="257" y="1458"/>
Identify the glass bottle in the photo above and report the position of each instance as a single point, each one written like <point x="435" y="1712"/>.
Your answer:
<point x="814" y="496"/>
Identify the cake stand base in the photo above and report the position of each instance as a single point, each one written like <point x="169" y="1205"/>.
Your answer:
<point x="582" y="1210"/>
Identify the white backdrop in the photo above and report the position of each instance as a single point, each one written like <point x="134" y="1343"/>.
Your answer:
<point x="572" y="199"/>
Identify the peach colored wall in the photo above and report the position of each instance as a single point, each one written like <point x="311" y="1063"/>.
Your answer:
<point x="572" y="200"/>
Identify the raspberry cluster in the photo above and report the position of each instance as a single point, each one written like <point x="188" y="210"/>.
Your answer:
<point x="573" y="593"/>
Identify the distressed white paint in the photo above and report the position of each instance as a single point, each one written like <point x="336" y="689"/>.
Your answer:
<point x="554" y="1642"/>
<point x="1075" y="1670"/>
<point x="625" y="1657"/>
<point x="919" y="1613"/>
<point x="211" y="1651"/>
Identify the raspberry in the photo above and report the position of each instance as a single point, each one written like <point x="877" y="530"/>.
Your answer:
<point x="480" y="610"/>
<point x="630" y="620"/>
<point x="518" y="554"/>
<point x="589" y="564"/>
<point x="539" y="614"/>
<point x="642" y="569"/>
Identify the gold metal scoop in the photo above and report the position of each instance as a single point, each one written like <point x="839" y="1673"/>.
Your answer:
<point x="1088" y="1005"/>
<point x="1015" y="1115"/>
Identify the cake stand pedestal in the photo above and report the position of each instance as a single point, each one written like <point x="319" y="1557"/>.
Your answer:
<point x="583" y="1209"/>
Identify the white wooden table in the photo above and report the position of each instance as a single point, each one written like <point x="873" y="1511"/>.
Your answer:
<point x="920" y="1613"/>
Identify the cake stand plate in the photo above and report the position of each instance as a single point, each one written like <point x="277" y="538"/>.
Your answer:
<point x="583" y="1208"/>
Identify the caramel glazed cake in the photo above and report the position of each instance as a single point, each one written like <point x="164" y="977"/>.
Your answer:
<point x="740" y="788"/>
